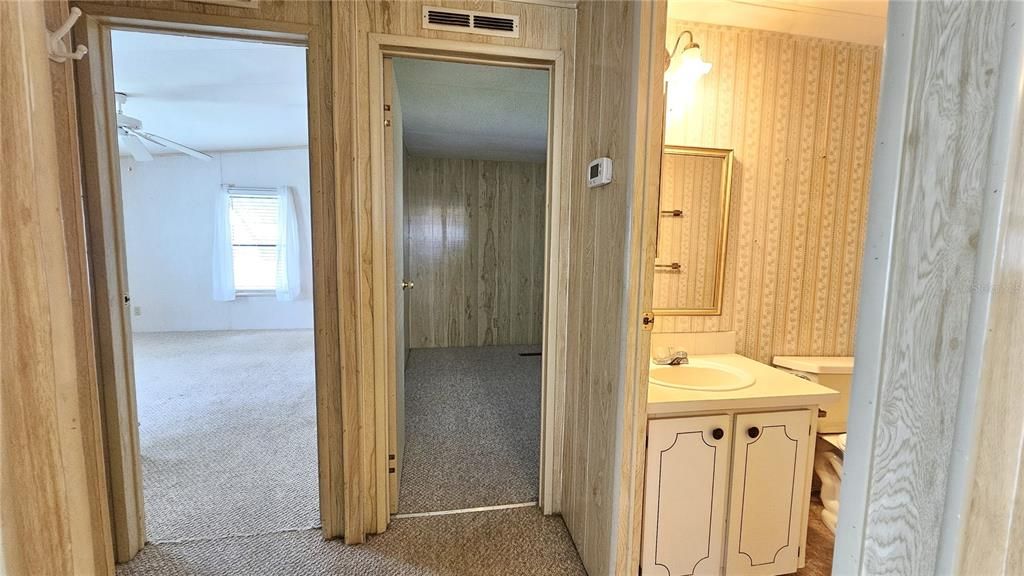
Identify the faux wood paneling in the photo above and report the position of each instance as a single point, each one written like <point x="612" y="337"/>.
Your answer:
<point x="800" y="114"/>
<point x="995" y="513"/>
<point x="921" y="340"/>
<point x="936" y="207"/>
<point x="52" y="495"/>
<point x="476" y="251"/>
<point x="600" y="239"/>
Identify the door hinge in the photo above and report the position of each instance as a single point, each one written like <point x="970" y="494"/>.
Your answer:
<point x="648" y="321"/>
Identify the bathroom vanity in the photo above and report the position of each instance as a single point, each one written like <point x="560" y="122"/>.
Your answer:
<point x="730" y="446"/>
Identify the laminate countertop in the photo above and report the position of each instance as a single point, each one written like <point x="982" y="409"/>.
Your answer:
<point x="772" y="389"/>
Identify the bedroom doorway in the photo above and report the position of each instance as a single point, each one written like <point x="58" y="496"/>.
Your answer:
<point x="207" y="270"/>
<point x="466" y="149"/>
<point x="216" y="218"/>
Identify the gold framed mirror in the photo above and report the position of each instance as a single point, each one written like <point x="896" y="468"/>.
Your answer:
<point x="693" y="230"/>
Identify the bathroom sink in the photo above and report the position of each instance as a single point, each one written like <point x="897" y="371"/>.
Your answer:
<point x="701" y="375"/>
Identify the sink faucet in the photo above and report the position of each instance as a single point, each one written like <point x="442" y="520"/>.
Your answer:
<point x="670" y="356"/>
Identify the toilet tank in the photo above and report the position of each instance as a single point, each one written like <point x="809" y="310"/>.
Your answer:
<point x="834" y="372"/>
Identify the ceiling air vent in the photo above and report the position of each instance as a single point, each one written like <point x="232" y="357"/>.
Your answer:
<point x="471" y="22"/>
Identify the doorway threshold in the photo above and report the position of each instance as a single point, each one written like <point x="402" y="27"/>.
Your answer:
<point x="466" y="510"/>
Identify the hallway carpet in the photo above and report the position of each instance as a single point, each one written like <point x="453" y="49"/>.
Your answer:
<point x="227" y="425"/>
<point x="517" y="542"/>
<point x="472" y="428"/>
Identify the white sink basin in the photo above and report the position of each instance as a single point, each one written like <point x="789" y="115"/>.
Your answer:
<point x="701" y="375"/>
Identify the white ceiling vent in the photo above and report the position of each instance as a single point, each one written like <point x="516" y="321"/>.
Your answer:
<point x="471" y="22"/>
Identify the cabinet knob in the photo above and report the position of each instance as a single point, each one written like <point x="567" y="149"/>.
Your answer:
<point x="753" y="432"/>
<point x="718" y="433"/>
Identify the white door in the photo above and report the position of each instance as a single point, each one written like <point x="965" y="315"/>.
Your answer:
<point x="685" y="496"/>
<point x="769" y="493"/>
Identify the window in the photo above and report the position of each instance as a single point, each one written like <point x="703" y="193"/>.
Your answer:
<point x="254" y="222"/>
<point x="256" y="244"/>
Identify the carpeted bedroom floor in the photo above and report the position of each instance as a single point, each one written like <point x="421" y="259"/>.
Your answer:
<point x="227" y="426"/>
<point x="472" y="428"/>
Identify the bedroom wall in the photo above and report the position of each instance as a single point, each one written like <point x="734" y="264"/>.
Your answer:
<point x="475" y="251"/>
<point x="168" y="215"/>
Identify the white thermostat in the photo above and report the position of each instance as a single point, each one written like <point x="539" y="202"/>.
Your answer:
<point x="599" y="172"/>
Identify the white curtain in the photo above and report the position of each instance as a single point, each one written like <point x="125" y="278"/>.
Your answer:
<point x="289" y="283"/>
<point x="223" y="260"/>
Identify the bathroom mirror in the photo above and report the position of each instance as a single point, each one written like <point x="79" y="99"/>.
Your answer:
<point x="693" y="225"/>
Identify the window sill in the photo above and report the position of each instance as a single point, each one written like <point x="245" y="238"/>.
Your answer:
<point x="254" y="293"/>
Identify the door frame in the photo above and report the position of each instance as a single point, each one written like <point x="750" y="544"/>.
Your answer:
<point x="556" y="262"/>
<point x="107" y="273"/>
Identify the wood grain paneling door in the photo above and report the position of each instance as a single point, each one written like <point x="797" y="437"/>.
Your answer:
<point x="394" y="155"/>
<point x="768" y="496"/>
<point x="685" y="498"/>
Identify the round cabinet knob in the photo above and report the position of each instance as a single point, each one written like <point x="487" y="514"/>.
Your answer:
<point x="718" y="433"/>
<point x="753" y="432"/>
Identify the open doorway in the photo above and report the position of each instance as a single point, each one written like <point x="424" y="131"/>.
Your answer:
<point x="215" y="209"/>
<point x="468" y="149"/>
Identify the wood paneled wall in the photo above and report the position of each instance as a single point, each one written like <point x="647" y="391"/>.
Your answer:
<point x="475" y="232"/>
<point x="935" y="346"/>
<point x="800" y="114"/>
<point x="600" y="238"/>
<point x="53" y="500"/>
<point x="994" y="524"/>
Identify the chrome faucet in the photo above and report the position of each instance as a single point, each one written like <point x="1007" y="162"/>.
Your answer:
<point x="670" y="356"/>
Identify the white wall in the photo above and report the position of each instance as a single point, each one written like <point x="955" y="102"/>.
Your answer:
<point x="168" y="214"/>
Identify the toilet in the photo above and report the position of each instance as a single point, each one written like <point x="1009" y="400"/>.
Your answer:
<point x="835" y="372"/>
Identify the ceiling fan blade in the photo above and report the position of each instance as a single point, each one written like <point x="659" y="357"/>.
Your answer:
<point x="172" y="144"/>
<point x="135" y="147"/>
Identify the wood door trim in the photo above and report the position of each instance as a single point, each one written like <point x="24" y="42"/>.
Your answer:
<point x="101" y="176"/>
<point x="373" y="445"/>
<point x="648" y="140"/>
<point x="100" y="183"/>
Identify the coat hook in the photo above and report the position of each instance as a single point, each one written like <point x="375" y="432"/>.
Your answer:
<point x="59" y="51"/>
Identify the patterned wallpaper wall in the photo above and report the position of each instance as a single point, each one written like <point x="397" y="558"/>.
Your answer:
<point x="800" y="114"/>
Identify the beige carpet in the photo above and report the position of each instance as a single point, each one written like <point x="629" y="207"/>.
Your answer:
<point x="520" y="542"/>
<point x="227" y="425"/>
<point x="472" y="435"/>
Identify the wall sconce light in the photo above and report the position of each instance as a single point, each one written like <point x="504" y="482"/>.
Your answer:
<point x="687" y="65"/>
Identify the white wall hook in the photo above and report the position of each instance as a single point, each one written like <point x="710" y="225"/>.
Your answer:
<point x="59" y="51"/>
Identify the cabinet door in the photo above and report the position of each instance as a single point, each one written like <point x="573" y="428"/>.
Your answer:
<point x="685" y="495"/>
<point x="769" y="472"/>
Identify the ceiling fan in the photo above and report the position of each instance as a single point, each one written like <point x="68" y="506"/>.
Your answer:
<point x="133" y="138"/>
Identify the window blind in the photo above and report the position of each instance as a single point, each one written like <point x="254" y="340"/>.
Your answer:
<point x="254" y="233"/>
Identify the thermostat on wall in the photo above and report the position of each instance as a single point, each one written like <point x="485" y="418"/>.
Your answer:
<point x="599" y="172"/>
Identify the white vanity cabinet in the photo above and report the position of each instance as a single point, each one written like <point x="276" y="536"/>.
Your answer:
<point x="726" y="494"/>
